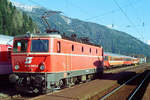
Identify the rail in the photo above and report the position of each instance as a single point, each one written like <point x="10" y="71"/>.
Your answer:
<point x="130" y="98"/>
<point x="116" y="89"/>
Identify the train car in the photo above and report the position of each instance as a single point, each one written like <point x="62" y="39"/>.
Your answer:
<point x="128" y="60"/>
<point x="6" y="43"/>
<point x="135" y="61"/>
<point x="113" y="60"/>
<point x="45" y="62"/>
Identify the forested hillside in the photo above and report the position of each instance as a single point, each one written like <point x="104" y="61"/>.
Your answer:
<point x="13" y="21"/>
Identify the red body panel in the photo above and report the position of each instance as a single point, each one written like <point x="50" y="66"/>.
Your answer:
<point x="65" y="60"/>
<point x="5" y="54"/>
<point x="106" y="64"/>
<point x="33" y="66"/>
<point x="127" y="62"/>
<point x="5" y="59"/>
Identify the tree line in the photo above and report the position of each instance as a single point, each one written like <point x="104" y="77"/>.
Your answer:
<point x="14" y="22"/>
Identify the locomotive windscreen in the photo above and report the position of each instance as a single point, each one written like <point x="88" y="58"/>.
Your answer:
<point x="39" y="45"/>
<point x="20" y="45"/>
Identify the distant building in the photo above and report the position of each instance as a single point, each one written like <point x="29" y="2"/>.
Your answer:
<point x="148" y="42"/>
<point x="143" y="60"/>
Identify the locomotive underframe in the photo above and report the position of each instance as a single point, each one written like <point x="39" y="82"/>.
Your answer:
<point x="46" y="82"/>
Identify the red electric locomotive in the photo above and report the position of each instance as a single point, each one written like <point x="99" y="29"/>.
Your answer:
<point x="45" y="62"/>
<point x="5" y="54"/>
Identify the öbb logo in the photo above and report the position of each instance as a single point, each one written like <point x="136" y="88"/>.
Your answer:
<point x="28" y="60"/>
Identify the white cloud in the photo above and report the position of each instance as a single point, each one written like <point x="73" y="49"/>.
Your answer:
<point x="148" y="42"/>
<point x="23" y="6"/>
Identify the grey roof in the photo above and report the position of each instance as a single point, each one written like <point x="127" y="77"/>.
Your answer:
<point x="117" y="55"/>
<point x="44" y="35"/>
<point x="4" y="39"/>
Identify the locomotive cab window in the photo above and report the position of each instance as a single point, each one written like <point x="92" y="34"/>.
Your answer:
<point x="20" y="45"/>
<point x="96" y="51"/>
<point x="39" y="45"/>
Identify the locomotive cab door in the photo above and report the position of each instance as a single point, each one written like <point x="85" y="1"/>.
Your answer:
<point x="68" y="62"/>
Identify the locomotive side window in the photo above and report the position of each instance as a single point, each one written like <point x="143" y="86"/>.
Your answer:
<point x="82" y="49"/>
<point x="90" y="50"/>
<point x="72" y="47"/>
<point x="20" y="46"/>
<point x="96" y="51"/>
<point x="39" y="45"/>
<point x="58" y="47"/>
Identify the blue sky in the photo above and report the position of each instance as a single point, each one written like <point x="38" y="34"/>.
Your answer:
<point x="131" y="16"/>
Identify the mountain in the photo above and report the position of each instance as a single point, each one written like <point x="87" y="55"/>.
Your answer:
<point x="111" y="40"/>
<point x="13" y="21"/>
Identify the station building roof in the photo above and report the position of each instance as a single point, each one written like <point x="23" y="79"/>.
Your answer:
<point x="4" y="39"/>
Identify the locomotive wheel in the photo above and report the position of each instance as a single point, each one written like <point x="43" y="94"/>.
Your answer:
<point x="62" y="84"/>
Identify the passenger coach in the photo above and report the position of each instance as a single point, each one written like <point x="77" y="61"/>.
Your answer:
<point x="6" y="43"/>
<point x="114" y="60"/>
<point x="45" y="62"/>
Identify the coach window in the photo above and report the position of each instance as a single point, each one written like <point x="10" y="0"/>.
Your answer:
<point x="105" y="58"/>
<point x="82" y="49"/>
<point x="58" y="47"/>
<point x="111" y="58"/>
<point x="72" y="47"/>
<point x="127" y="59"/>
<point x="90" y="50"/>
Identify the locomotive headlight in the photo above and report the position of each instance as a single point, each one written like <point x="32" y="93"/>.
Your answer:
<point x="42" y="67"/>
<point x="17" y="67"/>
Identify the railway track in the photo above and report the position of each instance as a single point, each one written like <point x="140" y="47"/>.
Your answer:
<point x="131" y="89"/>
<point x="146" y="91"/>
<point x="124" y="68"/>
